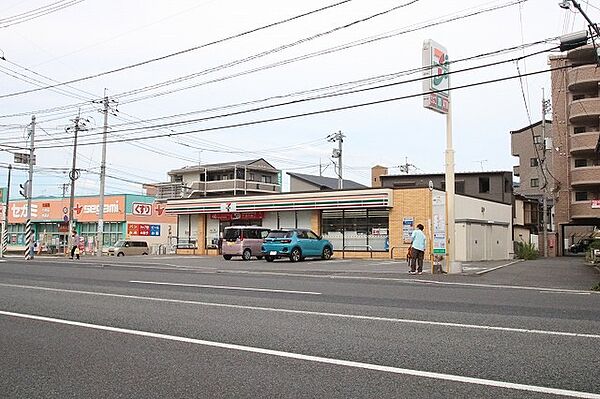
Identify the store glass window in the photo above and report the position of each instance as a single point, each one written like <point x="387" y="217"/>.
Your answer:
<point x="357" y="230"/>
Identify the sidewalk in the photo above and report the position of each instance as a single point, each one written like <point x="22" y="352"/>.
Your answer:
<point x="561" y="272"/>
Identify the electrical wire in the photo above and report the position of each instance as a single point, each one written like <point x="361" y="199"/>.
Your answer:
<point x="328" y="110"/>
<point x="303" y="57"/>
<point x="37" y="13"/>
<point x="177" y="53"/>
<point x="196" y="120"/>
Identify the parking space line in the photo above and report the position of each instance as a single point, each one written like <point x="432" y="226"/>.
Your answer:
<point x="224" y="287"/>
<point x="315" y="359"/>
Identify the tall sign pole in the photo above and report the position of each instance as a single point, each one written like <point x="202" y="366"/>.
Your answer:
<point x="436" y="89"/>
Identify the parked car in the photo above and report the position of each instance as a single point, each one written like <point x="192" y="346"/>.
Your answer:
<point x="244" y="241"/>
<point x="295" y="244"/>
<point x="129" y="247"/>
<point x="581" y="246"/>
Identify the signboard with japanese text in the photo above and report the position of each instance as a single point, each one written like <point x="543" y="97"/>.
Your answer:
<point x="436" y="67"/>
<point x="238" y="216"/>
<point x="85" y="209"/>
<point x="439" y="222"/>
<point x="141" y="209"/>
<point x="136" y="229"/>
<point x="407" y="229"/>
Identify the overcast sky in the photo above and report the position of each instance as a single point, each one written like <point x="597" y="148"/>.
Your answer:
<point x="282" y="63"/>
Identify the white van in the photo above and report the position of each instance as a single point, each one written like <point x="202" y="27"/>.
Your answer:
<point x="129" y="247"/>
<point x="244" y="241"/>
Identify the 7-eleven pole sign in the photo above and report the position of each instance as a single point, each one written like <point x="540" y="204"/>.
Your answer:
<point x="437" y="82"/>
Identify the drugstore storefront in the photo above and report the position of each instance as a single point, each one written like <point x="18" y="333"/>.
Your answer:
<point x="125" y="216"/>
<point x="374" y="222"/>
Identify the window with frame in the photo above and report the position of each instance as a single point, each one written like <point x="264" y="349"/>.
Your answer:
<point x="534" y="182"/>
<point x="265" y="179"/>
<point x="579" y="129"/>
<point x="484" y="184"/>
<point x="459" y="187"/>
<point x="581" y="196"/>
<point x="581" y="163"/>
<point x="533" y="162"/>
<point x="537" y="139"/>
<point x="357" y="230"/>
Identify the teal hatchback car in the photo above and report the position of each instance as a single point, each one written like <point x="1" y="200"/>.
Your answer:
<point x="295" y="244"/>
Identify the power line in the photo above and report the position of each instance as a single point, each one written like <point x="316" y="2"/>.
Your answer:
<point x="328" y="110"/>
<point x="300" y="58"/>
<point x="171" y="124"/>
<point x="38" y="12"/>
<point x="254" y="30"/>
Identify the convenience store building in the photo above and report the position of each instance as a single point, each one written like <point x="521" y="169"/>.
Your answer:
<point x="373" y="222"/>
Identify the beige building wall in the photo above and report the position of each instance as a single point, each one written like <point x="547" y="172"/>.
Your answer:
<point x="376" y="172"/>
<point x="414" y="203"/>
<point x="523" y="147"/>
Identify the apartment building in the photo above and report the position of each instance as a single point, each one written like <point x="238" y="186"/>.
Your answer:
<point x="493" y="186"/>
<point x="575" y="141"/>
<point x="254" y="177"/>
<point x="527" y="144"/>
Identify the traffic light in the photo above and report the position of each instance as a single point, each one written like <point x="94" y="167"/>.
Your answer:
<point x="24" y="189"/>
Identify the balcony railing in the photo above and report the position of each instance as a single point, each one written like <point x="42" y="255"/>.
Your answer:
<point x="171" y="190"/>
<point x="585" y="176"/>
<point x="584" y="210"/>
<point x="585" y="111"/>
<point x="199" y="188"/>
<point x="583" y="78"/>
<point x="584" y="142"/>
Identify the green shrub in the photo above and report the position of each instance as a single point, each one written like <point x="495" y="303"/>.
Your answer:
<point x="526" y="251"/>
<point x="596" y="287"/>
<point x="595" y="244"/>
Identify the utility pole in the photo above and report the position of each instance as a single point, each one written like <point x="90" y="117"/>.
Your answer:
<point x="5" y="221"/>
<point x="337" y="153"/>
<point x="406" y="167"/>
<point x="73" y="175"/>
<point x="545" y="110"/>
<point x="100" y="231"/>
<point x="28" y="228"/>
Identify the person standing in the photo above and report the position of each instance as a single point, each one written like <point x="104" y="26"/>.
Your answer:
<point x="418" y="250"/>
<point x="75" y="243"/>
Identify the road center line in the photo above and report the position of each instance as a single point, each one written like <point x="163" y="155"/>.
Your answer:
<point x="314" y="313"/>
<point x="224" y="287"/>
<point x="316" y="359"/>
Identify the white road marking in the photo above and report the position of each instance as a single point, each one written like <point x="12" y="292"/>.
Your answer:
<point x="413" y="280"/>
<point x="499" y="267"/>
<point x="225" y="287"/>
<point x="313" y="313"/>
<point x="316" y="359"/>
<point x="516" y="287"/>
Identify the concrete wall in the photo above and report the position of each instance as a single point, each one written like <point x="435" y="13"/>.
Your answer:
<point x="485" y="231"/>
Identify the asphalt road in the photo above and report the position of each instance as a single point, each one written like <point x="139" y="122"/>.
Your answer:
<point x="155" y="327"/>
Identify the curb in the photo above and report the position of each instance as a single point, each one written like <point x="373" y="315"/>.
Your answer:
<point x="499" y="267"/>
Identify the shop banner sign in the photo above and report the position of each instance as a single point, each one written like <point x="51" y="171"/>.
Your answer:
<point x="439" y="223"/>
